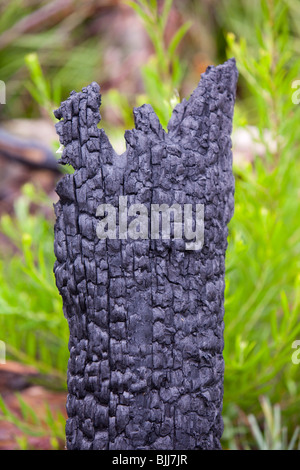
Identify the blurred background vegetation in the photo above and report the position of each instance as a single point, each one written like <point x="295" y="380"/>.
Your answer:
<point x="154" y="51"/>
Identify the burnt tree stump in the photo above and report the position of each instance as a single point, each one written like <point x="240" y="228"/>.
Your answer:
<point x="145" y="315"/>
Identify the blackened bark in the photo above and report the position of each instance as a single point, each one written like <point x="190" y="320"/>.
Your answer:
<point x="146" y="316"/>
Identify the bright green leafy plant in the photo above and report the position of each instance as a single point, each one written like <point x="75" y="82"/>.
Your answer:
<point x="164" y="72"/>
<point x="31" y="320"/>
<point x="262" y="281"/>
<point x="31" y="425"/>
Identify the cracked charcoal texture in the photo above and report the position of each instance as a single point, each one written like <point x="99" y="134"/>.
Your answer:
<point x="145" y="316"/>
